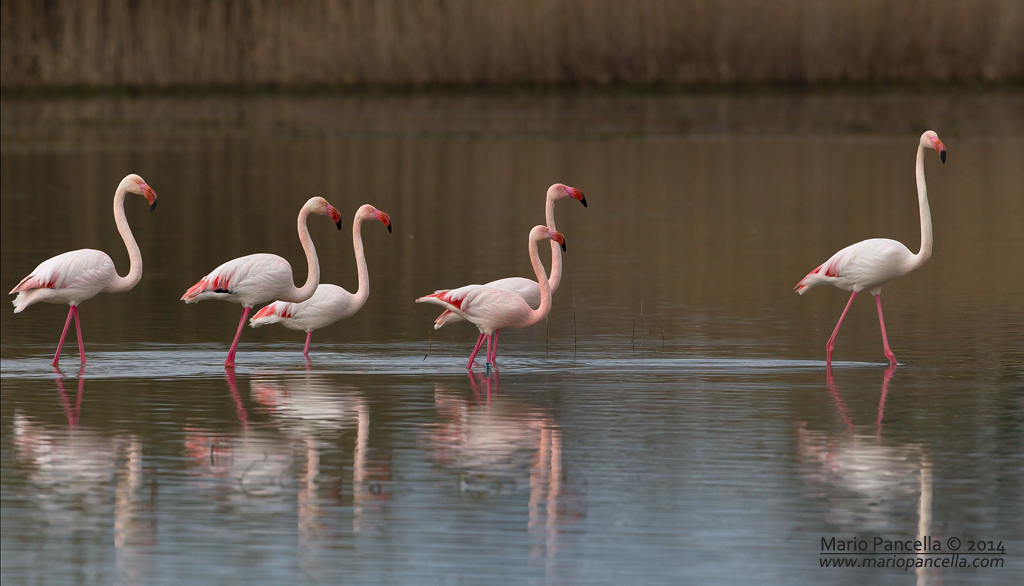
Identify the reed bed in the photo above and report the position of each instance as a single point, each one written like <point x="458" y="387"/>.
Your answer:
<point x="415" y="43"/>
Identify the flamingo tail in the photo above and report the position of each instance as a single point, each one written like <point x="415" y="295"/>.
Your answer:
<point x="207" y="289"/>
<point x="446" y="317"/>
<point x="812" y="280"/>
<point x="440" y="298"/>
<point x="27" y="298"/>
<point x="271" y="314"/>
<point x="194" y="292"/>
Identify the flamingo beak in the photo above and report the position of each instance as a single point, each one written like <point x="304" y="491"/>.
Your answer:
<point x="150" y="195"/>
<point x="576" y="194"/>
<point x="335" y="215"/>
<point x="384" y="219"/>
<point x="557" y="237"/>
<point x="940" y="148"/>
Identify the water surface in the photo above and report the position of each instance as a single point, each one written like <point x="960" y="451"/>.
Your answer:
<point x="672" y="419"/>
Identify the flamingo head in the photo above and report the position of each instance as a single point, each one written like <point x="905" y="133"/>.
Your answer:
<point x="931" y="140"/>
<point x="545" y="233"/>
<point x="560" y="191"/>
<point x="136" y="184"/>
<point x="368" y="211"/>
<point x="319" y="205"/>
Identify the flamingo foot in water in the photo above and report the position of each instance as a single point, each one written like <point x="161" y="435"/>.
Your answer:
<point x="885" y="340"/>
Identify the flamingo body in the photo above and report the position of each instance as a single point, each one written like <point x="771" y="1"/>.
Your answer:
<point x="488" y="308"/>
<point x="248" y="280"/>
<point x="69" y="278"/>
<point x="868" y="264"/>
<point x="528" y="290"/>
<point x="73" y="277"/>
<point x="328" y="304"/>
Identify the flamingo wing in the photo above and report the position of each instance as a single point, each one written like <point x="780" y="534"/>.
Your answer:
<point x="249" y="280"/>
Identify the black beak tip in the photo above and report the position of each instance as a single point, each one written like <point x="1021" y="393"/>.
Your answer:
<point x="942" y="155"/>
<point x="563" y="246"/>
<point x="338" y="223"/>
<point x="583" y="200"/>
<point x="389" y="228"/>
<point x="152" y="207"/>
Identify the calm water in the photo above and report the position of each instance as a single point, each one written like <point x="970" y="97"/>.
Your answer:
<point x="672" y="420"/>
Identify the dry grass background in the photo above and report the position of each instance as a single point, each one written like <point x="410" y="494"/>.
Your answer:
<point x="164" y="43"/>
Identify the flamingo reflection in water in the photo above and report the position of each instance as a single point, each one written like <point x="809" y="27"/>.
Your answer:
<point x="71" y="471"/>
<point x="869" y="482"/>
<point x="252" y="462"/>
<point x="308" y="408"/>
<point x="491" y="441"/>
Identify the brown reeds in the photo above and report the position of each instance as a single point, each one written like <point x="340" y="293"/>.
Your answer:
<point x="412" y="43"/>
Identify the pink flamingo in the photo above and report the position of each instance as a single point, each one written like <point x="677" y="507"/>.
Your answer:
<point x="78" y="275"/>
<point x="259" y="278"/>
<point x="329" y="303"/>
<point x="871" y="263"/>
<point x="491" y="309"/>
<point x="525" y="288"/>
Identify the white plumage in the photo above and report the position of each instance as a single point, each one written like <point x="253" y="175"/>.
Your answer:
<point x="871" y="263"/>
<point x="329" y="303"/>
<point x="259" y="278"/>
<point x="70" y="278"/>
<point x="492" y="309"/>
<point x="78" y="275"/>
<point x="525" y="288"/>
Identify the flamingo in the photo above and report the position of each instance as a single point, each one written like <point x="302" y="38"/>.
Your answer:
<point x="259" y="278"/>
<point x="492" y="309"/>
<point x="871" y="263"/>
<point x="329" y="303"/>
<point x="78" y="275"/>
<point x="525" y="288"/>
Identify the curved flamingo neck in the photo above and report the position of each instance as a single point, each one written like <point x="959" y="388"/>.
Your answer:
<point x="363" y="292"/>
<point x="298" y="295"/>
<point x="134" y="275"/>
<point x="926" y="215"/>
<point x="545" y="290"/>
<point x="556" y="250"/>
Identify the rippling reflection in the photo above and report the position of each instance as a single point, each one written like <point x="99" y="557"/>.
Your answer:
<point x="499" y="448"/>
<point x="872" y="485"/>
<point x="70" y="471"/>
<point x="311" y="409"/>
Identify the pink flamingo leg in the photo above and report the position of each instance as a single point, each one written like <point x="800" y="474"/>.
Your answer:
<point x="305" y="350"/>
<point x="230" y="362"/>
<point x="832" y="341"/>
<point x="78" y="329"/>
<point x="56" y="357"/>
<point x="885" y="340"/>
<point x="494" y="353"/>
<point x="489" y="339"/>
<point x="472" y="357"/>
